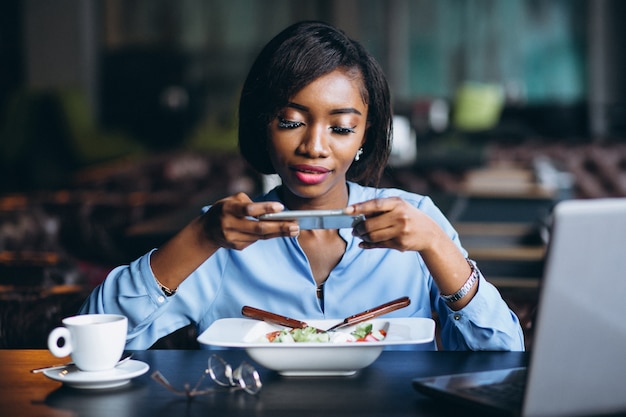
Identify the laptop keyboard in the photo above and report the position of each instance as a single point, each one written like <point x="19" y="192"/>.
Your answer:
<point x="508" y="393"/>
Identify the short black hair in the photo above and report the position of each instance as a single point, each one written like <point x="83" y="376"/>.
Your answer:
<point x="294" y="58"/>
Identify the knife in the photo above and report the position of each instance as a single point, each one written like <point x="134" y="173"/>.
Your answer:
<point x="373" y="312"/>
<point x="256" y="313"/>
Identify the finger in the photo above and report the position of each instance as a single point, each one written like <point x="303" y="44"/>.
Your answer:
<point x="373" y="207"/>
<point x="246" y="232"/>
<point x="373" y="224"/>
<point x="388" y="244"/>
<point x="239" y="208"/>
<point x="370" y="234"/>
<point x="267" y="229"/>
<point x="256" y="209"/>
<point x="235" y="205"/>
<point x="228" y="224"/>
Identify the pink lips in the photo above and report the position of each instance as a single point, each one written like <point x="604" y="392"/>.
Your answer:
<point x="310" y="174"/>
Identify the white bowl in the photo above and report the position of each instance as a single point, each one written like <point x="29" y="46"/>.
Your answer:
<point x="315" y="359"/>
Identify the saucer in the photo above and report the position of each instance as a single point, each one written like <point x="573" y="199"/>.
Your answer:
<point x="118" y="376"/>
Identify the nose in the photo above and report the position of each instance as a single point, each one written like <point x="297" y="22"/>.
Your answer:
<point x="314" y="142"/>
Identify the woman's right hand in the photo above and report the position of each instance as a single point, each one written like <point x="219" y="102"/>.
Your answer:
<point x="229" y="223"/>
<point x="232" y="222"/>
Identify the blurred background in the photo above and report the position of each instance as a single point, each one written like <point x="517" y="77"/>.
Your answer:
<point x="118" y="123"/>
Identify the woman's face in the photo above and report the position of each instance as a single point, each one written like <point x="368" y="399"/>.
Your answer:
<point x="314" y="139"/>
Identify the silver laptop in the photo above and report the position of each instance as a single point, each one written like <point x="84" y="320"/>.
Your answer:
<point x="578" y="358"/>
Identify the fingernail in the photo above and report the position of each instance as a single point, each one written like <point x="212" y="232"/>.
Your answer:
<point x="294" y="231"/>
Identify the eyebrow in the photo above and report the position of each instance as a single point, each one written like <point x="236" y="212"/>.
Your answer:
<point x="345" y="110"/>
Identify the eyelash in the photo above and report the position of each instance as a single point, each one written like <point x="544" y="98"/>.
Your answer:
<point x="343" y="130"/>
<point x="290" y="124"/>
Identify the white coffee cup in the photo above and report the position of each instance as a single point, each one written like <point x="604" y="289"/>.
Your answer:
<point x="95" y="341"/>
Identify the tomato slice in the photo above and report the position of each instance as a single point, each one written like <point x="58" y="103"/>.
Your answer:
<point x="272" y="335"/>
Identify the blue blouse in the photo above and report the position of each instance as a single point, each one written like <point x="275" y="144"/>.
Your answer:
<point x="275" y="275"/>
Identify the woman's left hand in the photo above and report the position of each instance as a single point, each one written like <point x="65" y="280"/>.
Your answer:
<point x="393" y="223"/>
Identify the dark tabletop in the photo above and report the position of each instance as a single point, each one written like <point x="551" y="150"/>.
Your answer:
<point x="382" y="389"/>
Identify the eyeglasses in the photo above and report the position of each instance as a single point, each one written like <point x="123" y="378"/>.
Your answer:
<point x="243" y="377"/>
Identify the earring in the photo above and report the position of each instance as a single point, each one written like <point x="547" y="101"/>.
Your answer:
<point x="358" y="154"/>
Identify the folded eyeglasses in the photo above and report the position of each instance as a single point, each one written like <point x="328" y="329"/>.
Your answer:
<point x="243" y="377"/>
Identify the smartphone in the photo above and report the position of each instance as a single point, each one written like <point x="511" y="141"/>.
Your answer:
<point x="317" y="219"/>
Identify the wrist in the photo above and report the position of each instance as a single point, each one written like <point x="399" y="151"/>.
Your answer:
<point x="462" y="292"/>
<point x="202" y="238"/>
<point x="166" y="290"/>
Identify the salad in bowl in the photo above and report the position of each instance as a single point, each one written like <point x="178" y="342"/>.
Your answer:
<point x="312" y="354"/>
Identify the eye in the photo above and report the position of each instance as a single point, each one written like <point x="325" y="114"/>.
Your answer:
<point x="343" y="130"/>
<point x="288" y="124"/>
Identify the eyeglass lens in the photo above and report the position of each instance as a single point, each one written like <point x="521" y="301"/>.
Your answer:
<point x="248" y="378"/>
<point x="244" y="376"/>
<point x="221" y="372"/>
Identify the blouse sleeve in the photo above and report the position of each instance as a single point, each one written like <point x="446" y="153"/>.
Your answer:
<point x="486" y="323"/>
<point x="132" y="291"/>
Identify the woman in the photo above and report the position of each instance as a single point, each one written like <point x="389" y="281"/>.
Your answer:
<point x="315" y="109"/>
